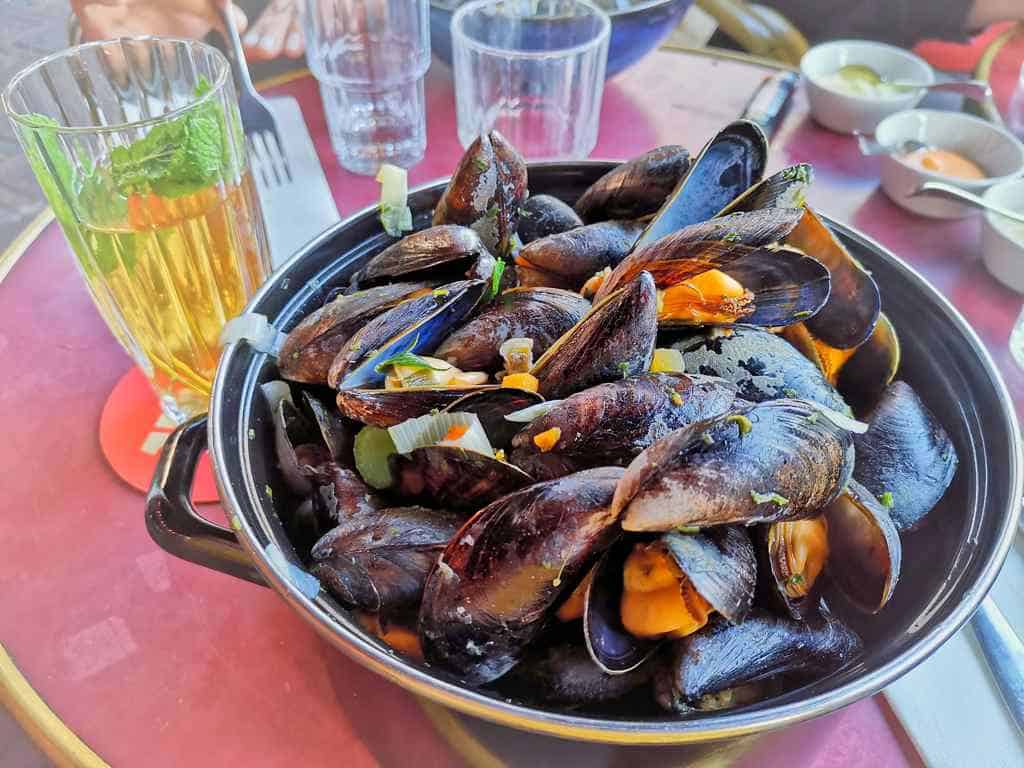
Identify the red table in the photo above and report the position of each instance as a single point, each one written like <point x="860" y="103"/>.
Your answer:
<point x="153" y="661"/>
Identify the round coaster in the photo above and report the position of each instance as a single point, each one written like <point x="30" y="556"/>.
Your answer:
<point x="133" y="429"/>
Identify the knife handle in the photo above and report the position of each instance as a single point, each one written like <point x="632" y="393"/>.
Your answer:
<point x="1004" y="652"/>
<point x="770" y="102"/>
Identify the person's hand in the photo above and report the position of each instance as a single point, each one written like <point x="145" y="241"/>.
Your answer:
<point x="277" y="30"/>
<point x="105" y="19"/>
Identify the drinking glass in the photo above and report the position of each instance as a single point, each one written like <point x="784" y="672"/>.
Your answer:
<point x="138" y="147"/>
<point x="533" y="69"/>
<point x="1015" y="114"/>
<point x="370" y="57"/>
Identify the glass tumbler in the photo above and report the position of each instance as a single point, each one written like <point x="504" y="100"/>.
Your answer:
<point x="534" y="70"/>
<point x="370" y="57"/>
<point x="138" y="147"/>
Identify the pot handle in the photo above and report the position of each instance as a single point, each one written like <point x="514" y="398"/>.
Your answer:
<point x="173" y="521"/>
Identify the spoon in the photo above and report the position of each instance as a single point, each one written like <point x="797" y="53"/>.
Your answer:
<point x="948" y="191"/>
<point x="973" y="89"/>
<point x="870" y="147"/>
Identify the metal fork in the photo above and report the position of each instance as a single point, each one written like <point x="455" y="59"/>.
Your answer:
<point x="266" y="151"/>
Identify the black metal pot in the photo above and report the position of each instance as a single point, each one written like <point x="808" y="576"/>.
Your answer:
<point x="948" y="566"/>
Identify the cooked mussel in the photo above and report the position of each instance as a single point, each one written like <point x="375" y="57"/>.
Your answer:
<point x="445" y="251"/>
<point x="565" y="675"/>
<point x="905" y="458"/>
<point x="865" y="548"/>
<point x="486" y="192"/>
<point x="614" y="340"/>
<point x="388" y="407"/>
<point x="785" y="189"/>
<point x="414" y="326"/>
<point x="729" y="164"/>
<point x="543" y="215"/>
<point x="297" y="443"/>
<point x="308" y="351"/>
<point x="568" y="259"/>
<point x="336" y="435"/>
<point x="610" y="423"/>
<point x="541" y="314"/>
<point x="706" y="666"/>
<point x="762" y="365"/>
<point x="494" y="586"/>
<point x="796" y="553"/>
<point x="454" y="477"/>
<point x="491" y="405"/>
<point x="870" y="369"/>
<point x="637" y="187"/>
<point x="644" y="592"/>
<point x="380" y="562"/>
<point x="778" y="460"/>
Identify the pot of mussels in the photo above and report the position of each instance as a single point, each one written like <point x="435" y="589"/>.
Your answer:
<point x="649" y="452"/>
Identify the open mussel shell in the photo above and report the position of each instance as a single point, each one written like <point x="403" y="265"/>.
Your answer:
<point x="849" y="317"/>
<point x="637" y="187"/>
<point x="865" y="550"/>
<point x="382" y="564"/>
<point x="297" y="446"/>
<point x="723" y="657"/>
<point x="785" y="189"/>
<point x="719" y="563"/>
<point x="448" y="249"/>
<point x="453" y="477"/>
<point x="543" y="215"/>
<point x="870" y="369"/>
<point x="541" y="314"/>
<point x="778" y="460"/>
<point x="795" y="553"/>
<point x="335" y="434"/>
<point x="905" y="456"/>
<point x="491" y="405"/>
<point x="613" y="341"/>
<point x="416" y="325"/>
<point x="564" y="675"/>
<point x="496" y="583"/>
<point x="611" y="423"/>
<point x="568" y="259"/>
<point x="308" y="351"/>
<point x="486" y="192"/>
<point x="762" y="365"/>
<point x="388" y="407"/>
<point x="727" y="166"/>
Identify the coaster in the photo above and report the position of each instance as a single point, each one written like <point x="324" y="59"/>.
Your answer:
<point x="133" y="429"/>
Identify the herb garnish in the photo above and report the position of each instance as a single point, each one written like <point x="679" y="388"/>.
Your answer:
<point x="774" y="498"/>
<point x="886" y="499"/>
<point x="741" y="421"/>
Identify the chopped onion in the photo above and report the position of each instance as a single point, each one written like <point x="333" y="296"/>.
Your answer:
<point x="841" y="420"/>
<point x="432" y="428"/>
<point x="526" y="415"/>
<point x="517" y="354"/>
<point x="255" y="329"/>
<point x="276" y="391"/>
<point x="395" y="214"/>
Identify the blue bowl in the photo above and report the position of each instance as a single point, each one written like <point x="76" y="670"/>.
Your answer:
<point x="635" y="32"/>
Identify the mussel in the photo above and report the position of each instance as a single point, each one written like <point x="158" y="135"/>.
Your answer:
<point x="611" y="423"/>
<point x="308" y="351"/>
<point x="785" y="189"/>
<point x="543" y="215"/>
<point x="486" y="192"/>
<point x="778" y="460"/>
<point x="414" y="326"/>
<point x="450" y="476"/>
<point x="729" y="164"/>
<point x="905" y="458"/>
<point x="541" y="314"/>
<point x="613" y="341"/>
<point x="491" y="405"/>
<point x="795" y="553"/>
<point x="445" y="251"/>
<point x="495" y="584"/>
<point x="644" y="592"/>
<point x="336" y="435"/>
<point x="568" y="259"/>
<point x="379" y="562"/>
<point x="635" y="188"/>
<point x="864" y="562"/>
<point x="388" y="407"/>
<point x="706" y="669"/>
<point x="870" y="369"/>
<point x="297" y="443"/>
<point x="762" y="365"/>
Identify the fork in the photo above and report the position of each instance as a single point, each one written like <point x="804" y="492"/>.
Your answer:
<point x="269" y="160"/>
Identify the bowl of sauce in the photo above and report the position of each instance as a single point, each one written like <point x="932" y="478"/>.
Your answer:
<point x="1002" y="239"/>
<point x="951" y="147"/>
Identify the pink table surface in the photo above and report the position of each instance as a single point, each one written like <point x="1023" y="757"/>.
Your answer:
<point x="154" y="661"/>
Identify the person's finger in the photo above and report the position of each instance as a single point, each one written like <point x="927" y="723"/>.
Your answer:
<point x="294" y="45"/>
<point x="269" y="33"/>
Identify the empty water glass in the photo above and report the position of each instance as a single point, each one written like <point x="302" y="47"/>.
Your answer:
<point x="369" y="57"/>
<point x="533" y="69"/>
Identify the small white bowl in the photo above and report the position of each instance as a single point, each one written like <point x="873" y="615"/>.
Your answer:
<point x="849" y="114"/>
<point x="1002" y="240"/>
<point x="995" y="149"/>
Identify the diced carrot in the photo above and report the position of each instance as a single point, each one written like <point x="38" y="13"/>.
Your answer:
<point x="521" y="381"/>
<point x="547" y="439"/>
<point x="456" y="432"/>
